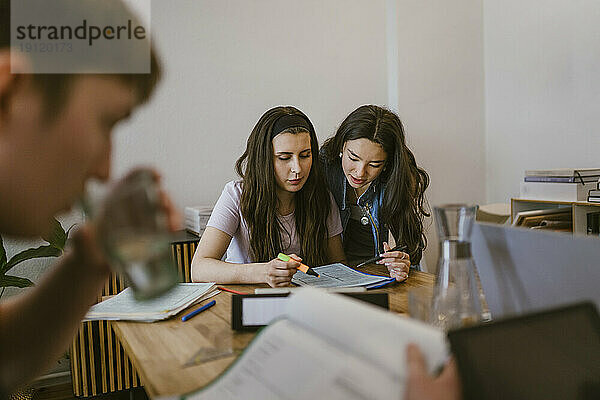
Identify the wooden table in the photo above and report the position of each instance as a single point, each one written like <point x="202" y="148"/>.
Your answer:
<point x="159" y="350"/>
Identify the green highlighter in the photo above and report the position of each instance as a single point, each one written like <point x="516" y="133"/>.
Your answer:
<point x="304" y="268"/>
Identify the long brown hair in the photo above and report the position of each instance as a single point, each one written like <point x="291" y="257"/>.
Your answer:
<point x="259" y="202"/>
<point x="404" y="205"/>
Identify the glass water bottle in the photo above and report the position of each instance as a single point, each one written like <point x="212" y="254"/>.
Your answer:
<point x="456" y="299"/>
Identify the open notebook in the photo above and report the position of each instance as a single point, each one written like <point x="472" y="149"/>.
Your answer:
<point x="125" y="307"/>
<point x="328" y="347"/>
<point x="338" y="275"/>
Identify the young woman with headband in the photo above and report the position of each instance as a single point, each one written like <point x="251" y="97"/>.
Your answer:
<point x="378" y="188"/>
<point x="281" y="204"/>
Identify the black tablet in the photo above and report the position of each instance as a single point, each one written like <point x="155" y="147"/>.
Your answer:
<point x="252" y="311"/>
<point x="553" y="354"/>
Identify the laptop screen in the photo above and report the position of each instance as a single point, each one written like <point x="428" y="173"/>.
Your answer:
<point x="524" y="270"/>
<point x="550" y="355"/>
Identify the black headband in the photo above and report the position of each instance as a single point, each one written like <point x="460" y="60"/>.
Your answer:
<point x="288" y="121"/>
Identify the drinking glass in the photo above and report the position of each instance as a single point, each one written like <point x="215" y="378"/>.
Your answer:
<point x="133" y="232"/>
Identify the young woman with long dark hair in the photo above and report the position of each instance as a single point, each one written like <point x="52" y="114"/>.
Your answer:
<point x="281" y="204"/>
<point x="378" y="188"/>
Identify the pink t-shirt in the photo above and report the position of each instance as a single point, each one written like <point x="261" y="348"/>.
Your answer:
<point x="227" y="217"/>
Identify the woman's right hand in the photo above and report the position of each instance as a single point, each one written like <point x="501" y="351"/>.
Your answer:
<point x="279" y="273"/>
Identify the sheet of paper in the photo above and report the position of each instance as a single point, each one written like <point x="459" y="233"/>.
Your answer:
<point x="328" y="347"/>
<point x="335" y="275"/>
<point x="287" y="362"/>
<point x="365" y="329"/>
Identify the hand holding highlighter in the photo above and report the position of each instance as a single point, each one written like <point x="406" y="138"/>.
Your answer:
<point x="304" y="268"/>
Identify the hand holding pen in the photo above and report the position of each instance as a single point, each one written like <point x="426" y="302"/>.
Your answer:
<point x="396" y="261"/>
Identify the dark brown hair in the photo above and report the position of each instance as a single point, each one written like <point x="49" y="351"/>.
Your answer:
<point x="55" y="88"/>
<point x="259" y="202"/>
<point x="404" y="205"/>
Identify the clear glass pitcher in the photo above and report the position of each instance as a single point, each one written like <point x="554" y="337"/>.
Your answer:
<point x="456" y="298"/>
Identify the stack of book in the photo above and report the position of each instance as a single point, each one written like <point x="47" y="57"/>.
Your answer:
<point x="554" y="219"/>
<point x="594" y="194"/>
<point x="559" y="184"/>
<point x="196" y="218"/>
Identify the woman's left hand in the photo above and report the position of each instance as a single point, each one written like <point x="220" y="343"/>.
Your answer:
<point x="397" y="262"/>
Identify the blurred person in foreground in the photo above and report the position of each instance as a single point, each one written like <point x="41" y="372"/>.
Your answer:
<point x="55" y="134"/>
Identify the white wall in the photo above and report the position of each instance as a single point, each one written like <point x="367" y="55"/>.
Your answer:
<point x="227" y="62"/>
<point x="542" y="85"/>
<point x="441" y="98"/>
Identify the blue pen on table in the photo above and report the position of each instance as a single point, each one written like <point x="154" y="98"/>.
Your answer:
<point x="380" y="284"/>
<point x="198" y="311"/>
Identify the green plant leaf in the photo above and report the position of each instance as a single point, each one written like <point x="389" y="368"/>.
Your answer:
<point x="2" y="253"/>
<point x="38" y="252"/>
<point x="57" y="237"/>
<point x="14" y="281"/>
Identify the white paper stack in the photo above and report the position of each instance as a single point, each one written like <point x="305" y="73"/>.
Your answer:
<point x="196" y="218"/>
<point x="125" y="307"/>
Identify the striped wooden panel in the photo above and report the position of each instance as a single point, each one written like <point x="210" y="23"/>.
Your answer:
<point x="98" y="362"/>
<point x="183" y="253"/>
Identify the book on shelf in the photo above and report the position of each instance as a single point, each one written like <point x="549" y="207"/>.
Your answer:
<point x="545" y="219"/>
<point x="594" y="193"/>
<point x="556" y="191"/>
<point x="562" y="179"/>
<point x="317" y="350"/>
<point x="564" y="172"/>
<point x="559" y="226"/>
<point x="556" y="219"/>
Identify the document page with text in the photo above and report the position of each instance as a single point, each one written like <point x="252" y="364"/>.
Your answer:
<point x="336" y="275"/>
<point x="312" y="354"/>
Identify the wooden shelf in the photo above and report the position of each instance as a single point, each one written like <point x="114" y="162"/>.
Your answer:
<point x="579" y="210"/>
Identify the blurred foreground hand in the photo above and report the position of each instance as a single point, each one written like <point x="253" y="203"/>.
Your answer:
<point x="422" y="386"/>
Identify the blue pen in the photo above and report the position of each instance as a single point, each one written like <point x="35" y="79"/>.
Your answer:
<point x="380" y="284"/>
<point x="198" y="311"/>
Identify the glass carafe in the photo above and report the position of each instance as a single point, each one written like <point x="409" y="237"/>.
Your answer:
<point x="456" y="299"/>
